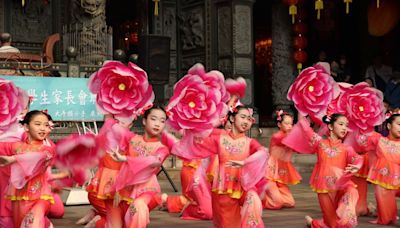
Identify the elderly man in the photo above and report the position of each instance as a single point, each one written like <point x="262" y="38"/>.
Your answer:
<point x="5" y="39"/>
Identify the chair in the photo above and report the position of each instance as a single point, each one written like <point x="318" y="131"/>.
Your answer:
<point x="46" y="55"/>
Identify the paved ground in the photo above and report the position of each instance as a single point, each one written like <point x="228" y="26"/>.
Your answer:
<point x="306" y="203"/>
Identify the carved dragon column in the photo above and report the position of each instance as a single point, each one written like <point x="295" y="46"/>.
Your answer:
<point x="235" y="41"/>
<point x="88" y="31"/>
<point x="282" y="61"/>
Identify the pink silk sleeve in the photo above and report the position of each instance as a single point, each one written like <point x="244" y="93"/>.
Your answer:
<point x="27" y="166"/>
<point x="7" y="148"/>
<point x="302" y="138"/>
<point x="362" y="142"/>
<point x="254" y="168"/>
<point x="254" y="146"/>
<point x="136" y="170"/>
<point x="352" y="158"/>
<point x="192" y="147"/>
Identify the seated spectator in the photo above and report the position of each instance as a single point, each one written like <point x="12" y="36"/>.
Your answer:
<point x="5" y="40"/>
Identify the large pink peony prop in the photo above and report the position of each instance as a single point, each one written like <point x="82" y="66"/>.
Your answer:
<point x="198" y="102"/>
<point x="313" y="91"/>
<point x="363" y="106"/>
<point x="333" y="106"/>
<point x="11" y="104"/>
<point x="78" y="151"/>
<point x="121" y="90"/>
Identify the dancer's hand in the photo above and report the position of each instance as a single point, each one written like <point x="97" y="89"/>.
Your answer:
<point x="350" y="168"/>
<point x="116" y="156"/>
<point x="6" y="160"/>
<point x="234" y="164"/>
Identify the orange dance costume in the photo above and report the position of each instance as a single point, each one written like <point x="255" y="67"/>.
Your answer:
<point x="235" y="202"/>
<point x="337" y="195"/>
<point x="384" y="173"/>
<point x="134" y="181"/>
<point x="29" y="189"/>
<point x="280" y="173"/>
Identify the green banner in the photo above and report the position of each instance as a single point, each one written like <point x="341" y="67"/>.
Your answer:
<point x="66" y="99"/>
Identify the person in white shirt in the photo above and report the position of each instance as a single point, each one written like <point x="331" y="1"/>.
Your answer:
<point x="5" y="39"/>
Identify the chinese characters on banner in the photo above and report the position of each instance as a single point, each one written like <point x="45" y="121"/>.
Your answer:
<point x="66" y="99"/>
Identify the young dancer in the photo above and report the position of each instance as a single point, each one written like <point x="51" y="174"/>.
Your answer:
<point x="281" y="171"/>
<point x="29" y="159"/>
<point x="134" y="183"/>
<point x="384" y="171"/>
<point x="330" y="179"/>
<point x="242" y="163"/>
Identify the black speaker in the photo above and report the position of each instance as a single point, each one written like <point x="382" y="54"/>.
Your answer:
<point x="154" y="57"/>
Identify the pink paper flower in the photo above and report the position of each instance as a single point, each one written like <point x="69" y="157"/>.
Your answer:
<point x="78" y="151"/>
<point x="333" y="106"/>
<point x="236" y="86"/>
<point x="198" y="101"/>
<point x="213" y="79"/>
<point x="11" y="104"/>
<point x="121" y="90"/>
<point x="363" y="107"/>
<point x="313" y="91"/>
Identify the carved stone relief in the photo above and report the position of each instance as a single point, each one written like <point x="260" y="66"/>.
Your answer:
<point x="225" y="66"/>
<point x="192" y="29"/>
<point x="170" y="25"/>
<point x="90" y="31"/>
<point x="224" y="31"/>
<point x="188" y="62"/>
<point x="243" y="66"/>
<point x="31" y="24"/>
<point x="242" y="29"/>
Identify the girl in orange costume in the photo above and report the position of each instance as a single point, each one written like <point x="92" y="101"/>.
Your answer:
<point x="135" y="183"/>
<point x="385" y="169"/>
<point x="280" y="172"/>
<point x="235" y="203"/>
<point x="331" y="176"/>
<point x="29" y="189"/>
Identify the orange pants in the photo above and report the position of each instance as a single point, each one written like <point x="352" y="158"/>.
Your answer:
<point x="115" y="215"/>
<point x="277" y="196"/>
<point x="362" y="188"/>
<point x="175" y="204"/>
<point x="30" y="213"/>
<point x="328" y="203"/>
<point x="386" y="205"/>
<point x="237" y="213"/>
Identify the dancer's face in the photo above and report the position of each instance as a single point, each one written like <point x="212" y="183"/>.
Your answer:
<point x="286" y="124"/>
<point x="154" y="123"/>
<point x="339" y="127"/>
<point x="38" y="128"/>
<point x="242" y="121"/>
<point x="394" y="128"/>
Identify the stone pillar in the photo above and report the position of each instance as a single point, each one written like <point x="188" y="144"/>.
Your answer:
<point x="234" y="41"/>
<point x="2" y="12"/>
<point x="283" y="71"/>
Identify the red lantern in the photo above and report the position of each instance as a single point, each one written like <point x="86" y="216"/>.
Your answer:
<point x="300" y="28"/>
<point x="300" y="42"/>
<point x="300" y="57"/>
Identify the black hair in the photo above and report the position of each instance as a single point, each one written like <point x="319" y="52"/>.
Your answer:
<point x="159" y="107"/>
<point x="332" y="119"/>
<point x="236" y="110"/>
<point x="282" y="116"/>
<point x="392" y="118"/>
<point x="29" y="116"/>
